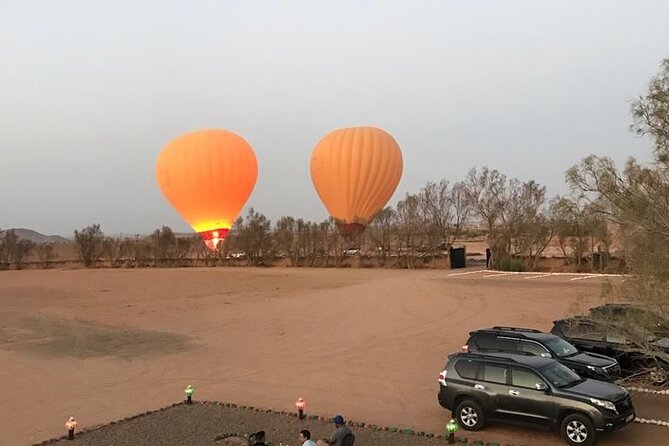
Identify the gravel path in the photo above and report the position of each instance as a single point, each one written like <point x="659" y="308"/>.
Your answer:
<point x="207" y="423"/>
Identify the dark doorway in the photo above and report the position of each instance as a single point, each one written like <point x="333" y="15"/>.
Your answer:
<point x="458" y="258"/>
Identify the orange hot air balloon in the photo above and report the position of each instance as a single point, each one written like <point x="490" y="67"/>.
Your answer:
<point x="355" y="172"/>
<point x="207" y="176"/>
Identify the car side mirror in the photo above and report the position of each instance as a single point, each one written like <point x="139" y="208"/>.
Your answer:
<point x="541" y="386"/>
<point x="546" y="355"/>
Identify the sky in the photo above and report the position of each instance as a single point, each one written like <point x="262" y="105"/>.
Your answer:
<point x="90" y="92"/>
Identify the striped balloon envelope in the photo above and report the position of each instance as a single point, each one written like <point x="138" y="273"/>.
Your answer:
<point x="208" y="176"/>
<point x="355" y="172"/>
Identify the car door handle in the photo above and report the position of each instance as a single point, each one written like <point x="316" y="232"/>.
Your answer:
<point x="479" y="387"/>
<point x="514" y="393"/>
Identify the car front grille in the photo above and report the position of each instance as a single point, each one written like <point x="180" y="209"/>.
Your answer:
<point x="624" y="405"/>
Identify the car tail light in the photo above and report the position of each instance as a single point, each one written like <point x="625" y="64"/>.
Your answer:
<point x="465" y="348"/>
<point x="442" y="378"/>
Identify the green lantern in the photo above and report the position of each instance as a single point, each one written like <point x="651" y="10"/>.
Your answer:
<point x="189" y="393"/>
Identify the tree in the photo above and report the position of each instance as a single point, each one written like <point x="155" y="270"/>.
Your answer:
<point x="461" y="209"/>
<point x="163" y="245"/>
<point x="111" y="249"/>
<point x="513" y="213"/>
<point x="636" y="200"/>
<point x="328" y="240"/>
<point x="434" y="214"/>
<point x="4" y="264"/>
<point x="637" y="204"/>
<point x="286" y="238"/>
<point x="135" y="252"/>
<point x="529" y="229"/>
<point x="534" y="236"/>
<point x="309" y="241"/>
<point x="45" y="254"/>
<point x="651" y="114"/>
<point x="581" y="230"/>
<point x="485" y="192"/>
<point x="22" y="250"/>
<point x="409" y="226"/>
<point x="443" y="211"/>
<point x="184" y="249"/>
<point x="88" y="242"/>
<point x="568" y="222"/>
<point x="252" y="236"/>
<point x="8" y="241"/>
<point x="14" y="249"/>
<point x="381" y="231"/>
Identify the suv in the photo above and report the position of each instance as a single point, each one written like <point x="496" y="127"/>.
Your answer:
<point x="534" y="389"/>
<point x="527" y="341"/>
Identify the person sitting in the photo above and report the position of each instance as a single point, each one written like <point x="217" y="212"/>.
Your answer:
<point x="305" y="438"/>
<point x="342" y="436"/>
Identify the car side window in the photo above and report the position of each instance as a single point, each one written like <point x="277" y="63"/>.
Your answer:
<point x="508" y="344"/>
<point x="615" y="337"/>
<point x="583" y="330"/>
<point x="494" y="373"/>
<point x="486" y="342"/>
<point x="467" y="368"/>
<point x="525" y="378"/>
<point x="534" y="349"/>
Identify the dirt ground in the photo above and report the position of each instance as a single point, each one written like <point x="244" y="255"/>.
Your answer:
<point x="106" y="344"/>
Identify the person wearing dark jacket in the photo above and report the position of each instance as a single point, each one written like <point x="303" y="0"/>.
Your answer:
<point x="341" y="432"/>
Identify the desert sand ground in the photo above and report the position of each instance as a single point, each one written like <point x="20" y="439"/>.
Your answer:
<point x="106" y="344"/>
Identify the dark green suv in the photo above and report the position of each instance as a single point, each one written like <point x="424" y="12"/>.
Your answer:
<point x="517" y="388"/>
<point x="527" y="341"/>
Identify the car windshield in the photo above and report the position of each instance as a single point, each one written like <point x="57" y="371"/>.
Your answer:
<point x="560" y="375"/>
<point x="561" y="347"/>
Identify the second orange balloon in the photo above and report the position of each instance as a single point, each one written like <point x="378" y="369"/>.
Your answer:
<point x="355" y="172"/>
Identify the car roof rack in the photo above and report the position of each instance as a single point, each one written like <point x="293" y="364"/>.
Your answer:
<point x="528" y="330"/>
<point x="514" y="358"/>
<point x="494" y="355"/>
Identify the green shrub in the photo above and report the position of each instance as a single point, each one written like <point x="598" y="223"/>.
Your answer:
<point x="508" y="264"/>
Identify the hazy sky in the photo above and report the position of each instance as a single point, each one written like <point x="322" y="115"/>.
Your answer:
<point x="91" y="91"/>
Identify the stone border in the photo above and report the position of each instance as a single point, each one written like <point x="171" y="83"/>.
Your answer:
<point x="652" y="392"/>
<point x="645" y="390"/>
<point x="655" y="422"/>
<point x="313" y="417"/>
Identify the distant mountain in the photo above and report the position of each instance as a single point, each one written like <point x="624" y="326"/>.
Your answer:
<point x="35" y="236"/>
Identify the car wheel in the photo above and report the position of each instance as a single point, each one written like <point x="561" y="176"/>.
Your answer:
<point x="470" y="415"/>
<point x="577" y="430"/>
